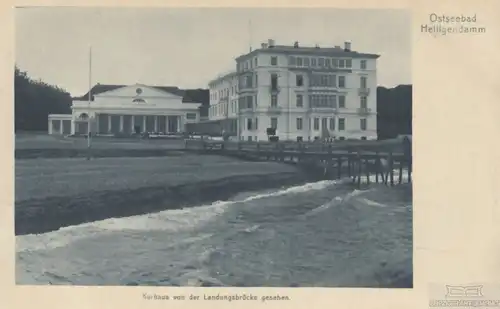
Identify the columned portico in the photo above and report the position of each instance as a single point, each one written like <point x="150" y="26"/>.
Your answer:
<point x="128" y="110"/>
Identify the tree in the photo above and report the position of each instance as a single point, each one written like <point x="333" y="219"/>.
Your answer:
<point x="35" y="100"/>
<point x="394" y="111"/>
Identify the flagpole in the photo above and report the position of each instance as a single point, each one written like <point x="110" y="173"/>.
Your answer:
<point x="250" y="35"/>
<point x="89" y="132"/>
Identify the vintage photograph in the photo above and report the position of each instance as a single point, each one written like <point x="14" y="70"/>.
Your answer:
<point x="228" y="147"/>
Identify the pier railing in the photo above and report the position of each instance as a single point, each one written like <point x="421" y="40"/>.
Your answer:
<point x="357" y="159"/>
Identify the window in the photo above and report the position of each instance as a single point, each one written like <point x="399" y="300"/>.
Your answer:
<point x="324" y="123"/>
<point x="363" y="102"/>
<point x="341" y="63"/>
<point x="256" y="125"/>
<point x="300" y="139"/>
<point x="363" y="64"/>
<point x="306" y="62"/>
<point x="249" y="138"/>
<point x="341" y="124"/>
<point x="256" y="62"/>
<point x="332" y="80"/>
<point x="335" y="63"/>
<point x="313" y="62"/>
<point x="274" y="60"/>
<point x="249" y="100"/>
<point x="342" y="138"/>
<point x="341" y="81"/>
<point x="291" y="61"/>
<point x="274" y="123"/>
<point x="249" y="124"/>
<point x="299" y="124"/>
<point x="299" y="80"/>
<point x="341" y="101"/>
<point x="348" y="63"/>
<point x="332" y="124"/>
<point x="363" y="138"/>
<point x="274" y="81"/>
<point x="321" y="62"/>
<point x="316" y="124"/>
<point x="327" y="62"/>
<point x="362" y="124"/>
<point x="299" y="61"/>
<point x="363" y="82"/>
<point x="332" y="101"/>
<point x="256" y="79"/>
<point x="300" y="100"/>
<point x="191" y="116"/>
<point x="249" y="79"/>
<point x="274" y="100"/>
<point x="324" y="80"/>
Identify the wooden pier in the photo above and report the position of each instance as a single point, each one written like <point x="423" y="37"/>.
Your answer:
<point x="359" y="160"/>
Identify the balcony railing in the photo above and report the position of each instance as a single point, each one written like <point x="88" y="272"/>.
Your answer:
<point x="364" y="91"/>
<point x="274" y="110"/>
<point x="274" y="89"/>
<point x="364" y="111"/>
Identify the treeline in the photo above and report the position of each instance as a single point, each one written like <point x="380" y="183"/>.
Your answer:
<point x="394" y="111"/>
<point x="35" y="100"/>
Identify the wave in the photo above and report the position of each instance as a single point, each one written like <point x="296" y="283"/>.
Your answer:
<point x="175" y="220"/>
<point x="336" y="201"/>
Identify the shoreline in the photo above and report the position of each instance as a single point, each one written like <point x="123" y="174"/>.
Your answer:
<point x="35" y="216"/>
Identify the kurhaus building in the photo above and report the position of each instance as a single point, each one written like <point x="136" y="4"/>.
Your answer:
<point x="305" y="93"/>
<point x="115" y="109"/>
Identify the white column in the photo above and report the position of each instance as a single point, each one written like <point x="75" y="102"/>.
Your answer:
<point x="179" y="123"/>
<point x="121" y="123"/>
<point x="50" y="126"/>
<point x="73" y="129"/>
<point x="132" y="123"/>
<point x="166" y="124"/>
<point x="109" y="123"/>
<point x="144" y="123"/>
<point x="156" y="123"/>
<point x="61" y="127"/>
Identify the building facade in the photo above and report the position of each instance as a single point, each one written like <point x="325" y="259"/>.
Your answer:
<point x="224" y="102"/>
<point x="307" y="93"/>
<point x="120" y="109"/>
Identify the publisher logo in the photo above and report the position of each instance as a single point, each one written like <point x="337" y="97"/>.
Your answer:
<point x="460" y="296"/>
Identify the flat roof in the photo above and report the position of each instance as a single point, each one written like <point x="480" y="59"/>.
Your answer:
<point x="316" y="51"/>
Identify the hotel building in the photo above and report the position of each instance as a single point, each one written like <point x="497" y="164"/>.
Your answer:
<point x="305" y="93"/>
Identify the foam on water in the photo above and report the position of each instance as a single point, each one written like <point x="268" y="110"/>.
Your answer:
<point x="176" y="220"/>
<point x="335" y="202"/>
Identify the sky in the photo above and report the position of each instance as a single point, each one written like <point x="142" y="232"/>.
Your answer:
<point x="188" y="47"/>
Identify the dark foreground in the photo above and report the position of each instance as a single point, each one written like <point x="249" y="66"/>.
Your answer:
<point x="54" y="193"/>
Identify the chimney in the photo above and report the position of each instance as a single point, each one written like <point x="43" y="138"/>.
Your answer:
<point x="347" y="46"/>
<point x="296" y="44"/>
<point x="271" y="43"/>
<point x="316" y="46"/>
<point x="264" y="45"/>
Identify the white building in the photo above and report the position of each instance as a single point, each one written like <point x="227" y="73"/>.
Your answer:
<point x="115" y="109"/>
<point x="224" y="102"/>
<point x="307" y="93"/>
